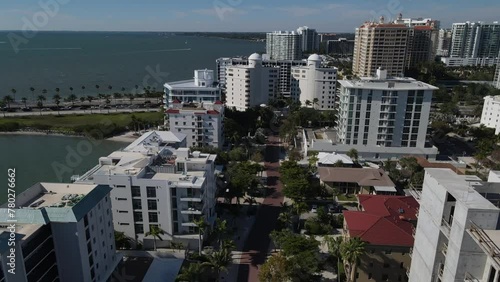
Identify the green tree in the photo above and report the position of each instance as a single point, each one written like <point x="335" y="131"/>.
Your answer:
<point x="257" y="157"/>
<point x="25" y="101"/>
<point x="90" y="99"/>
<point x="334" y="245"/>
<point x="40" y="100"/>
<point x="7" y="100"/>
<point x="201" y="225"/>
<point x="155" y="232"/>
<point x="32" y="89"/>
<point x="351" y="251"/>
<point x="353" y="154"/>
<point x="218" y="262"/>
<point x="192" y="273"/>
<point x="121" y="240"/>
<point x="72" y="98"/>
<point x="275" y="269"/>
<point x="13" y="91"/>
<point x="57" y="101"/>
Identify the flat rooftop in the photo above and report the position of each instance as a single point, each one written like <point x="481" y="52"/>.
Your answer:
<point x="188" y="84"/>
<point x="44" y="194"/>
<point x="396" y="83"/>
<point x="463" y="188"/>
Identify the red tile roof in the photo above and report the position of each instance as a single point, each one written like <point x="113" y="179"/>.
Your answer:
<point x="385" y="220"/>
<point x="172" y="111"/>
<point x="424" y="27"/>
<point x="176" y="101"/>
<point x="218" y="102"/>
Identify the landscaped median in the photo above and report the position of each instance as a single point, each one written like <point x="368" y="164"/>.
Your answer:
<point x="106" y="125"/>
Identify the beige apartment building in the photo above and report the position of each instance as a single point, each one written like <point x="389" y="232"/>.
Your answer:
<point x="380" y="45"/>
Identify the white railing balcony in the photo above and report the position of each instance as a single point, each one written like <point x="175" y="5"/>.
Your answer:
<point x="445" y="227"/>
<point x="191" y="211"/>
<point x="191" y="199"/>
<point x="469" y="278"/>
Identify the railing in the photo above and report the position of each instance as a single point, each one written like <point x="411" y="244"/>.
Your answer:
<point x="446" y="226"/>
<point x="485" y="241"/>
<point x="470" y="278"/>
<point x="415" y="191"/>
<point x="444" y="250"/>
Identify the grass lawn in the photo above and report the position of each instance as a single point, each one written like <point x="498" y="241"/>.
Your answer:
<point x="70" y="121"/>
<point x="350" y="197"/>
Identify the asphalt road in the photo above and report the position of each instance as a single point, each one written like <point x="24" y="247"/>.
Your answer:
<point x="256" y="247"/>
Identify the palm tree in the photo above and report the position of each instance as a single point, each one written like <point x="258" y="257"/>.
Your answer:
<point x="121" y="240"/>
<point x="351" y="251"/>
<point x="220" y="229"/>
<point x="82" y="99"/>
<point x="298" y="208"/>
<point x="315" y="102"/>
<point x="155" y="232"/>
<point x="219" y="261"/>
<point x="110" y="88"/>
<point x="353" y="154"/>
<point x="72" y="98"/>
<point x="83" y="90"/>
<point x="308" y="103"/>
<point x="7" y="100"/>
<point x="192" y="273"/>
<point x="131" y="98"/>
<point x="32" y="89"/>
<point x="57" y="100"/>
<point x="57" y="90"/>
<point x="41" y="98"/>
<point x="108" y="101"/>
<point x="24" y="100"/>
<point x="136" y="88"/>
<point x="117" y="96"/>
<point x="14" y="91"/>
<point x="201" y="224"/>
<point x="71" y="90"/>
<point x="286" y="219"/>
<point x="90" y="98"/>
<point x="334" y="245"/>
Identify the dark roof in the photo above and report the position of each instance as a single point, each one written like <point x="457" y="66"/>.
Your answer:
<point x="361" y="176"/>
<point x="384" y="220"/>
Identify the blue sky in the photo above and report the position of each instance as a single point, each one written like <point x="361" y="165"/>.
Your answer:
<point x="234" y="15"/>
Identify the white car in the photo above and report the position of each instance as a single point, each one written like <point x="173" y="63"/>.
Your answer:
<point x="314" y="209"/>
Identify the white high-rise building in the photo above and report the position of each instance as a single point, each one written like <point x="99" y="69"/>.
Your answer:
<point x="313" y="85"/>
<point x="203" y="88"/>
<point x="444" y="41"/>
<point x="203" y="123"/>
<point x="284" y="45"/>
<point x="64" y="232"/>
<point x="490" y="117"/>
<point x="384" y="117"/>
<point x="496" y="80"/>
<point x="475" y="40"/>
<point x="250" y="85"/>
<point x="284" y="71"/>
<point x="457" y="236"/>
<point x="193" y="107"/>
<point x="157" y="181"/>
<point x="309" y="39"/>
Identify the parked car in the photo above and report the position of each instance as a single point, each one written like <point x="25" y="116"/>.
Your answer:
<point x="314" y="209"/>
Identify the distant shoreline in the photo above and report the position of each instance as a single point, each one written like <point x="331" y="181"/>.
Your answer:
<point x="126" y="137"/>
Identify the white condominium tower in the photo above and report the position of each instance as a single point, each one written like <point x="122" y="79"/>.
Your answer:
<point x="496" y="80"/>
<point x="250" y="85"/>
<point x="157" y="181"/>
<point x="313" y="85"/>
<point x="475" y="40"/>
<point x="309" y="39"/>
<point x="380" y="45"/>
<point x="193" y="107"/>
<point x="490" y="117"/>
<point x="64" y="232"/>
<point x="457" y="236"/>
<point x="284" y="45"/>
<point x="385" y="117"/>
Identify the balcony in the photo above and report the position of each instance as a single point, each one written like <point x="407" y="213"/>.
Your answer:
<point x="415" y="191"/>
<point x="470" y="278"/>
<point x="444" y="249"/>
<point x="446" y="227"/>
<point x="191" y="211"/>
<point x="196" y="199"/>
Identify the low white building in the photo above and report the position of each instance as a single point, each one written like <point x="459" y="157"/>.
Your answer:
<point x="313" y="85"/>
<point x="490" y="117"/>
<point x="250" y="85"/>
<point x="330" y="159"/>
<point x="157" y="181"/>
<point x="457" y="236"/>
<point x="202" y="123"/>
<point x="474" y="61"/>
<point x="201" y="89"/>
<point x="64" y="232"/>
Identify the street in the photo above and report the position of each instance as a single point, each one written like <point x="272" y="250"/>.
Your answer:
<point x="256" y="247"/>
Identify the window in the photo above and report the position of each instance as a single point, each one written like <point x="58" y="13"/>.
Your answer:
<point x="152" y="205"/>
<point x="151" y="192"/>
<point x="139" y="228"/>
<point x="122" y="211"/>
<point x="136" y="191"/>
<point x="120" y="186"/>
<point x="153" y="217"/>
<point x="136" y="204"/>
<point x="137" y="216"/>
<point x="121" y="199"/>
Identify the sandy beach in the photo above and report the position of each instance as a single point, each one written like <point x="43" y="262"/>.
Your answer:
<point x="128" y="137"/>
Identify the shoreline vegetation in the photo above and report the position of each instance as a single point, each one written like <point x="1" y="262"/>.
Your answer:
<point x="113" y="126"/>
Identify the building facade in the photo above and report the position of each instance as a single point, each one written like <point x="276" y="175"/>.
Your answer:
<point x="203" y="123"/>
<point x="490" y="117"/>
<point x="157" y="181"/>
<point x="475" y="62"/>
<point x="475" y="39"/>
<point x="284" y="45"/>
<point x="496" y="79"/>
<point x="203" y="88"/>
<point x="309" y="39"/>
<point x="457" y="235"/>
<point x="313" y="85"/>
<point x="383" y="112"/>
<point x="444" y="42"/>
<point x="380" y="45"/>
<point x="250" y="85"/>
<point x="341" y="47"/>
<point x="64" y="233"/>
